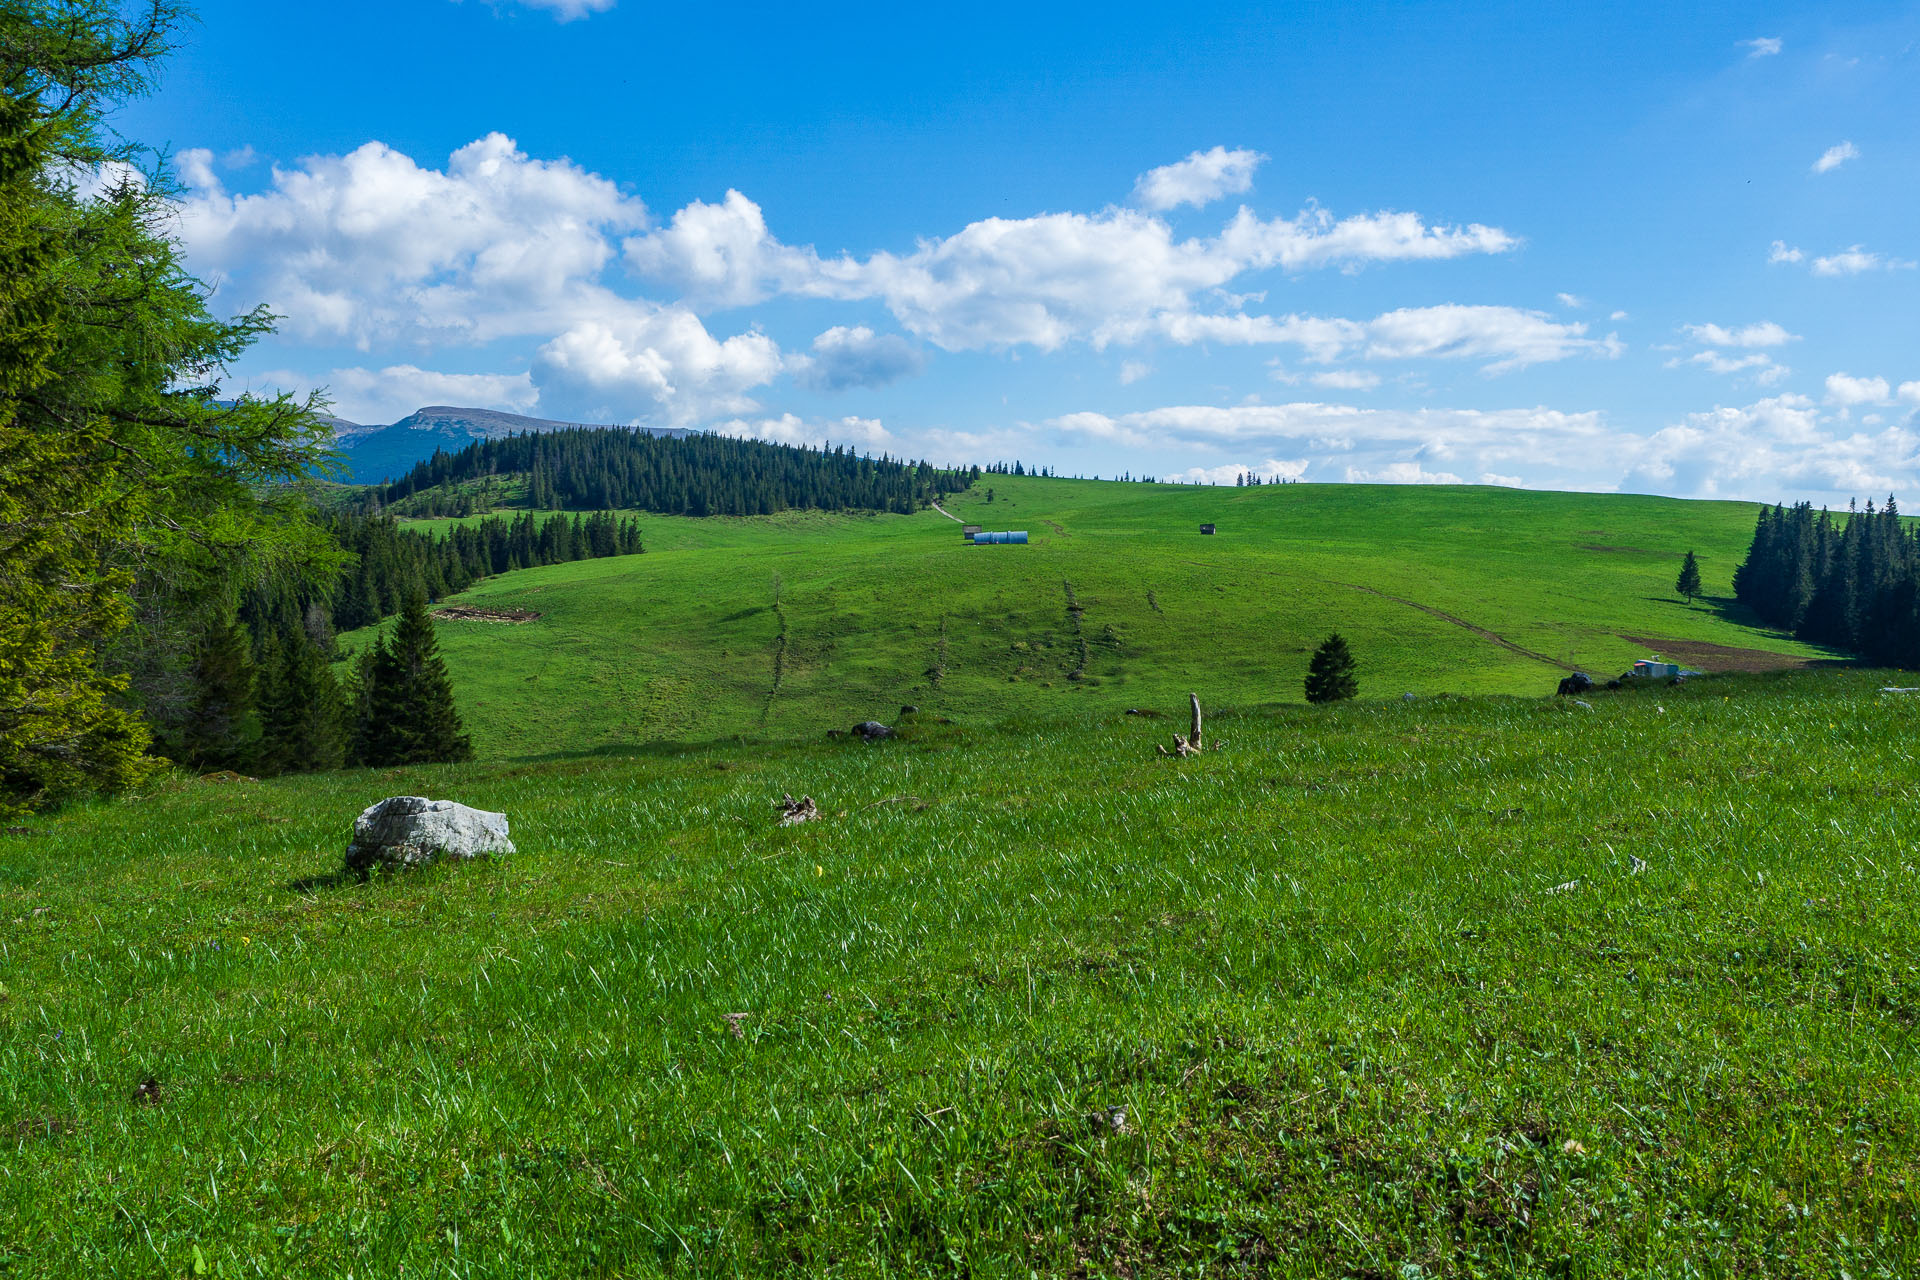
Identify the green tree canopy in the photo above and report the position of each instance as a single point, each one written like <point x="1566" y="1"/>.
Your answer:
<point x="1330" y="675"/>
<point x="1688" y="583"/>
<point x="124" y="476"/>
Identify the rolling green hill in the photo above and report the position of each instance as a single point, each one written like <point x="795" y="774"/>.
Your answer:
<point x="786" y="625"/>
<point x="1460" y="987"/>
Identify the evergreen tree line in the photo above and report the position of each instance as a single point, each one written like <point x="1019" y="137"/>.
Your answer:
<point x="265" y="698"/>
<point x="262" y="696"/>
<point x="597" y="469"/>
<point x="392" y="563"/>
<point x="1850" y="583"/>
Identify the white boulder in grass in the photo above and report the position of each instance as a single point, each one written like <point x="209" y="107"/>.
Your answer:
<point x="408" y="831"/>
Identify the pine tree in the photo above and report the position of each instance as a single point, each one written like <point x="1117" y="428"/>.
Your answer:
<point x="1330" y="676"/>
<point x="302" y="712"/>
<point x="1688" y="584"/>
<point x="410" y="717"/>
<point x="215" y="735"/>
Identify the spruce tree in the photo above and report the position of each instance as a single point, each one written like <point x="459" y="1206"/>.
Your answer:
<point x="302" y="712"/>
<point x="1688" y="584"/>
<point x="1330" y="676"/>
<point x="215" y="734"/>
<point x="410" y="717"/>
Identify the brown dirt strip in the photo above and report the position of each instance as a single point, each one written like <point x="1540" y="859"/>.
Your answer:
<point x="1715" y="658"/>
<point x="471" y="613"/>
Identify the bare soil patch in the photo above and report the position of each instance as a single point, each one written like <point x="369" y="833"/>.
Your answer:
<point x="1715" y="658"/>
<point x="469" y="613"/>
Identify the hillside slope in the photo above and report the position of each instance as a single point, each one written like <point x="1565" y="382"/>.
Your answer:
<point x="1464" y="987"/>
<point x="785" y="626"/>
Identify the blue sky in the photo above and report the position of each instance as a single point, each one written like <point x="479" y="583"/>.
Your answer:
<point x="1663" y="249"/>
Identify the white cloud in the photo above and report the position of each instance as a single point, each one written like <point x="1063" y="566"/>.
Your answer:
<point x="1000" y="283"/>
<point x="1847" y="391"/>
<point x="1401" y="473"/>
<point x="1131" y="371"/>
<point x="1835" y="156"/>
<point x="1230" y="473"/>
<point x="857" y="357"/>
<point x="373" y="250"/>
<point x="658" y="360"/>
<point x="1910" y="392"/>
<point x="1782" y="446"/>
<point x="1774" y="448"/>
<point x="1505" y="482"/>
<point x="568" y="10"/>
<point x="1854" y="260"/>
<point x="195" y="166"/>
<point x="1572" y="301"/>
<point x="389" y="394"/>
<point x="1781" y="253"/>
<point x="1203" y="177"/>
<point x="1346" y="380"/>
<point x="1761" y="46"/>
<point x="1618" y="315"/>
<point x="722" y="255"/>
<point x="1762" y="367"/>
<point x="1506" y="337"/>
<point x="866" y="435"/>
<point x="1764" y="333"/>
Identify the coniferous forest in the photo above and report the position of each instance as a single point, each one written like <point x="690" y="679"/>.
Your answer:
<point x="616" y="468"/>
<point x="1850" y="582"/>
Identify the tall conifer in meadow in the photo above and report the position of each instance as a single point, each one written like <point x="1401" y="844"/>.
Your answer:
<point x="215" y="732"/>
<point x="1688" y="583"/>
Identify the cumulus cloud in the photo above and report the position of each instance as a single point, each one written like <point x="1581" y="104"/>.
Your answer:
<point x="723" y="255"/>
<point x="1232" y="472"/>
<point x="1847" y="391"/>
<point x="1131" y="371"/>
<point x="1401" y="473"/>
<point x="1507" y="338"/>
<point x="1854" y="260"/>
<point x="1346" y="380"/>
<point x="1572" y="301"/>
<point x="1781" y="253"/>
<point x="1203" y="177"/>
<point x="389" y="394"/>
<point x="1909" y="392"/>
<point x="1773" y="448"/>
<point x="857" y="357"/>
<point x="659" y="358"/>
<point x="1758" y="365"/>
<point x="1761" y="46"/>
<point x="1765" y="333"/>
<point x="372" y="249"/>
<point x="1782" y="446"/>
<point x="865" y="435"/>
<point x="1835" y="156"/>
<point x="1043" y="281"/>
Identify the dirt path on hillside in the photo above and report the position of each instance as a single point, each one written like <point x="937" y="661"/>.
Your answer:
<point x="1482" y="632"/>
<point x="948" y="514"/>
<point x="1492" y="637"/>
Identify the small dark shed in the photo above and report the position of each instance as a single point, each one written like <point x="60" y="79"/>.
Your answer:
<point x="966" y="534"/>
<point x="1206" y="528"/>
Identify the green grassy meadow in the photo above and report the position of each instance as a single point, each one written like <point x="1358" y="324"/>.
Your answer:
<point x="1118" y="602"/>
<point x="1379" y="988"/>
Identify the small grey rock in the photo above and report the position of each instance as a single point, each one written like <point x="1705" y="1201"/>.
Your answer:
<point x="871" y="730"/>
<point x="407" y="831"/>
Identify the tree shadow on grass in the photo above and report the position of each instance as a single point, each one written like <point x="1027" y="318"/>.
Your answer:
<point x="339" y="879"/>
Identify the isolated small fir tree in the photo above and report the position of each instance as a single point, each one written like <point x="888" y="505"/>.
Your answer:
<point x="1688" y="583"/>
<point x="1330" y="676"/>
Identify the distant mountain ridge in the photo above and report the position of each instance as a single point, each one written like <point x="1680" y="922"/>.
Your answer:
<point x="376" y="453"/>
